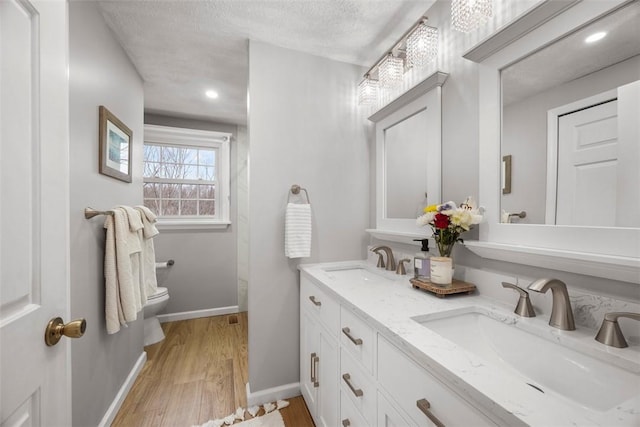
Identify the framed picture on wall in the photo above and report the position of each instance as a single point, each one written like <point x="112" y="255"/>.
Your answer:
<point x="115" y="146"/>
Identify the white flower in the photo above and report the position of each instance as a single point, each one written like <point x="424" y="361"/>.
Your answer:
<point x="462" y="218"/>
<point x="425" y="219"/>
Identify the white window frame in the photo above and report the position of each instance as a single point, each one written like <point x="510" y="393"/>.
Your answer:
<point x="154" y="134"/>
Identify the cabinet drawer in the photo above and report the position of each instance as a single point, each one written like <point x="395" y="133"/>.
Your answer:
<point x="409" y="384"/>
<point x="358" y="386"/>
<point x="315" y="300"/>
<point x="357" y="338"/>
<point x="349" y="415"/>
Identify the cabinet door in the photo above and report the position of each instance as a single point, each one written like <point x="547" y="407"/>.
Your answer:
<point x="309" y="355"/>
<point x="388" y="416"/>
<point x="328" y="396"/>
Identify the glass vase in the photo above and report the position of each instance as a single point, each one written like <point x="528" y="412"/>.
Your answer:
<point x="445" y="242"/>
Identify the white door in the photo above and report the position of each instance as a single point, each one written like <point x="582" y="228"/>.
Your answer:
<point x="34" y="200"/>
<point x="588" y="166"/>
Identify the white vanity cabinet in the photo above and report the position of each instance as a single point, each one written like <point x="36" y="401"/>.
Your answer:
<point x="351" y="375"/>
<point x="319" y="317"/>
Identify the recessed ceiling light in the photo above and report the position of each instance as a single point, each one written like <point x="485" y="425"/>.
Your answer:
<point x="211" y="94"/>
<point x="595" y="37"/>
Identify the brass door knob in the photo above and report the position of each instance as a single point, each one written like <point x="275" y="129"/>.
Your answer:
<point x="56" y="329"/>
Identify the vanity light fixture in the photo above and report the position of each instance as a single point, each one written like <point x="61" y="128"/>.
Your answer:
<point x="368" y="91"/>
<point x="211" y="94"/>
<point x="417" y="47"/>
<point x="595" y="37"/>
<point x="467" y="15"/>
<point x="390" y="71"/>
<point x="422" y="45"/>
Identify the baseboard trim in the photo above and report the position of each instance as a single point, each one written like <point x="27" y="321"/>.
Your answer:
<point x="111" y="413"/>
<point x="286" y="391"/>
<point x="185" y="315"/>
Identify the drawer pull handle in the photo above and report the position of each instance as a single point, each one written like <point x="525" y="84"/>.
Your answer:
<point x="346" y="422"/>
<point x="314" y="301"/>
<point x="314" y="374"/>
<point x="425" y="407"/>
<point x="356" y="391"/>
<point x="347" y="332"/>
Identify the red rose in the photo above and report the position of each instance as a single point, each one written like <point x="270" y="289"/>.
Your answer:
<point x="441" y="221"/>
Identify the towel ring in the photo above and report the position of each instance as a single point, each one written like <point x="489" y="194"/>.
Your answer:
<point x="295" y="189"/>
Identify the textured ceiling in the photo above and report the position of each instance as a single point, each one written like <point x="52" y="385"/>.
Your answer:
<point x="182" y="48"/>
<point x="571" y="58"/>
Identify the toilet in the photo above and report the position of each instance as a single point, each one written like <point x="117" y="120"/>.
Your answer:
<point x="153" y="332"/>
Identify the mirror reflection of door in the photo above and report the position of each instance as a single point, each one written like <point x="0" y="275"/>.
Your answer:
<point x="588" y="165"/>
<point x="598" y="151"/>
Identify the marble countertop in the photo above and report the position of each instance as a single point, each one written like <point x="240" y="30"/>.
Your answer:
<point x="389" y="306"/>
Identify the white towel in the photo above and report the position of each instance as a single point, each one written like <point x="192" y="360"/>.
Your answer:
<point x="113" y="308"/>
<point x="122" y="285"/>
<point x="148" y="267"/>
<point x="297" y="231"/>
<point x="148" y="220"/>
<point x="135" y="243"/>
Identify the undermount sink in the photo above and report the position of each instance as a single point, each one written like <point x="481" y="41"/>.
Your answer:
<point x="547" y="366"/>
<point x="356" y="275"/>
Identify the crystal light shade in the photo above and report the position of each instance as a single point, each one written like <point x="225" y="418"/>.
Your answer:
<point x="467" y="15"/>
<point x="390" y="71"/>
<point x="368" y="91"/>
<point x="422" y="46"/>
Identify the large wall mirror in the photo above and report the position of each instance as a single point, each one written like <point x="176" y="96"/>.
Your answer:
<point x="570" y="150"/>
<point x="566" y="114"/>
<point x="408" y="159"/>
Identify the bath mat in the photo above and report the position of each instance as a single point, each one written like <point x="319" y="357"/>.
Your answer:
<point x="272" y="419"/>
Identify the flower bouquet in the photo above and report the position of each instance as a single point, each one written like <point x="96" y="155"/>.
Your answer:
<point x="448" y="221"/>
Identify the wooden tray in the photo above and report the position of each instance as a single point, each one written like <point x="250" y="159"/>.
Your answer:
<point x="457" y="287"/>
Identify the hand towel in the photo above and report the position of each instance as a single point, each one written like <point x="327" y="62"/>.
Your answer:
<point x="297" y="232"/>
<point x="122" y="287"/>
<point x="148" y="267"/>
<point x="113" y="308"/>
<point x="148" y="220"/>
<point x="134" y="218"/>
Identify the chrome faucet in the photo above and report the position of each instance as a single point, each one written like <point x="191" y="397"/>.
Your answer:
<point x="391" y="263"/>
<point x="561" y="313"/>
<point x="401" y="270"/>
<point x="524" y="307"/>
<point x="610" y="332"/>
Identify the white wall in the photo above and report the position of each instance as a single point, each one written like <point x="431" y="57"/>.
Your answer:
<point x="525" y="134"/>
<point x="99" y="74"/>
<point x="304" y="128"/>
<point x="204" y="275"/>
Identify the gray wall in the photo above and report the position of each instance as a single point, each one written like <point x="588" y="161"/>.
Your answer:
<point x="525" y="134"/>
<point x="304" y="128"/>
<point x="100" y="74"/>
<point x="205" y="273"/>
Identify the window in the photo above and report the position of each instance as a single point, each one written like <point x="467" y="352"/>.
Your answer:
<point x="186" y="176"/>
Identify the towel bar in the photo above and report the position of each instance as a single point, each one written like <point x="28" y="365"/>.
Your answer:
<point x="90" y="213"/>
<point x="295" y="189"/>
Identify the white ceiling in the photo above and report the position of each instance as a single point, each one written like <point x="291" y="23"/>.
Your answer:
<point x="182" y="48"/>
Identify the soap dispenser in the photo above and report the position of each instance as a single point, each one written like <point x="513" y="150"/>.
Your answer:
<point x="421" y="263"/>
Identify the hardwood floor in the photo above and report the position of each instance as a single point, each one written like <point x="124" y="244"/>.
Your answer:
<point x="196" y="374"/>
